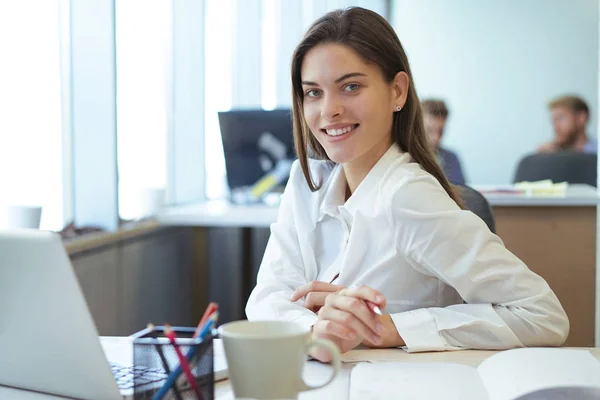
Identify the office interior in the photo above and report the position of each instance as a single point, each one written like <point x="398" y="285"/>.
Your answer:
<point x="113" y="131"/>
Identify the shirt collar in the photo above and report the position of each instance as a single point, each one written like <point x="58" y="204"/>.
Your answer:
<point x="335" y="192"/>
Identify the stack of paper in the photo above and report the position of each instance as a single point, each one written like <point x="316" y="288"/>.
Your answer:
<point x="542" y="188"/>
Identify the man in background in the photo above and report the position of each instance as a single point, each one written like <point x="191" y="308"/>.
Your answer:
<point x="435" y="114"/>
<point x="570" y="115"/>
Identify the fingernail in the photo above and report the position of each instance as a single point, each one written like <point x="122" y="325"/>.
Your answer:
<point x="379" y="328"/>
<point x="379" y="299"/>
<point x="376" y="339"/>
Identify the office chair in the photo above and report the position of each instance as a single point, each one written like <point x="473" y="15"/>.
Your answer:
<point x="563" y="166"/>
<point x="478" y="205"/>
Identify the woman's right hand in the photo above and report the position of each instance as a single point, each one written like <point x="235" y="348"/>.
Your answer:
<point x="316" y="292"/>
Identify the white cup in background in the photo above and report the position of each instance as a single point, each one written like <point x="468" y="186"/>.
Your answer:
<point x="266" y="358"/>
<point x="152" y="200"/>
<point x="20" y="217"/>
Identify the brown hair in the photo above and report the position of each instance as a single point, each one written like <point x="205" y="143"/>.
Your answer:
<point x="573" y="103"/>
<point x="435" y="108"/>
<point x="373" y="38"/>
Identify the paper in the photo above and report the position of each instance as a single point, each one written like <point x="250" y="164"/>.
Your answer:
<point x="408" y="381"/>
<point x="510" y="374"/>
<point x="545" y="187"/>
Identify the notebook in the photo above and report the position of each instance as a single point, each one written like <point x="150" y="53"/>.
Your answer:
<point x="524" y="374"/>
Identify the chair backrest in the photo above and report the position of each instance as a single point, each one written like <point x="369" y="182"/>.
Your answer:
<point x="478" y="205"/>
<point x="563" y="166"/>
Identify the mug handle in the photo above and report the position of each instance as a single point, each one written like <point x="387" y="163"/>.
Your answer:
<point x="336" y="362"/>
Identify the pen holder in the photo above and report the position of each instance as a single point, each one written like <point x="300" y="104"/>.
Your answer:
<point x="155" y="360"/>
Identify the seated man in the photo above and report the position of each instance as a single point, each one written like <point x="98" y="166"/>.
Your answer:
<point x="435" y="114"/>
<point x="570" y="115"/>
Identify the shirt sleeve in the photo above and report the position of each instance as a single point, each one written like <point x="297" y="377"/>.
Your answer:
<point x="507" y="305"/>
<point x="282" y="268"/>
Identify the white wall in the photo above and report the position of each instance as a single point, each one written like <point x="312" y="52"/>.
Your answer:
<point x="497" y="63"/>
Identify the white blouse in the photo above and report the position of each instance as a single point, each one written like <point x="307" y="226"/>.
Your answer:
<point x="401" y="233"/>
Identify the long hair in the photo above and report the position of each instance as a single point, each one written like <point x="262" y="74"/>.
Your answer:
<point x="372" y="37"/>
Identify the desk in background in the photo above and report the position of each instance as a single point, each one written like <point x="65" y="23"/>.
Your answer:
<point x="555" y="236"/>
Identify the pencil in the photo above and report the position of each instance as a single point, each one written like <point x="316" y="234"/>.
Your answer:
<point x="212" y="321"/>
<point x="212" y="307"/>
<point x="183" y="362"/>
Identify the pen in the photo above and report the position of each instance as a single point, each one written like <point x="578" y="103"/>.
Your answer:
<point x="374" y="307"/>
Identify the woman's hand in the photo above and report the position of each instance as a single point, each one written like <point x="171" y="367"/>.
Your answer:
<point x="346" y="320"/>
<point x="315" y="292"/>
<point x="390" y="336"/>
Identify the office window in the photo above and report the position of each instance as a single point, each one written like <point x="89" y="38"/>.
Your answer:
<point x="270" y="40"/>
<point x="220" y="31"/>
<point x="143" y="43"/>
<point x="30" y="103"/>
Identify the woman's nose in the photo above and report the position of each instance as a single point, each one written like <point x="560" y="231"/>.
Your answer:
<point x="332" y="107"/>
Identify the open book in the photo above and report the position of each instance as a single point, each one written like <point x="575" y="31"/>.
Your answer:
<point x="525" y="374"/>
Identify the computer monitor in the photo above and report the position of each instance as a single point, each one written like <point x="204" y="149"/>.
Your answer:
<point x="253" y="142"/>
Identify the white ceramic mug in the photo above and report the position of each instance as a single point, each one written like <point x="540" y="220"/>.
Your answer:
<point x="266" y="358"/>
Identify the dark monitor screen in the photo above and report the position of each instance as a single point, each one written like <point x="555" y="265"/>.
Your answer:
<point x="253" y="142"/>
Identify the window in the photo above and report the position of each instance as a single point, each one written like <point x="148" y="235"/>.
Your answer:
<point x="31" y="135"/>
<point x="218" y="63"/>
<point x="143" y="47"/>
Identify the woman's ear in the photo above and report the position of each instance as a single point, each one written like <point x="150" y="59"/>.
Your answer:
<point x="400" y="89"/>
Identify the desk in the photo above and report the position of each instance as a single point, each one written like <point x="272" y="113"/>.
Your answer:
<point x="119" y="349"/>
<point x="339" y="389"/>
<point x="554" y="235"/>
<point x="556" y="238"/>
<point x="221" y="213"/>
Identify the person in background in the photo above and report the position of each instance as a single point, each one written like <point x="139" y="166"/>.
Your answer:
<point x="570" y="115"/>
<point x="435" y="114"/>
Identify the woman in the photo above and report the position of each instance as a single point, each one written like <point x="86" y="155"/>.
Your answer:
<point x="374" y="221"/>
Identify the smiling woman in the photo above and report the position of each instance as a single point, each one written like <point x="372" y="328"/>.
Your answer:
<point x="381" y="220"/>
<point x="350" y="114"/>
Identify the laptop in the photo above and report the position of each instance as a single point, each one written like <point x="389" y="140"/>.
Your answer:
<point x="253" y="142"/>
<point x="48" y="340"/>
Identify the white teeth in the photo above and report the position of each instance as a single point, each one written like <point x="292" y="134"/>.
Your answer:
<point x="338" y="132"/>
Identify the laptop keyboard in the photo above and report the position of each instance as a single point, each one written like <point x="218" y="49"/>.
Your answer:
<point x="128" y="377"/>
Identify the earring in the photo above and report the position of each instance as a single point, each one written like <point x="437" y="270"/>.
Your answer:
<point x="398" y="108"/>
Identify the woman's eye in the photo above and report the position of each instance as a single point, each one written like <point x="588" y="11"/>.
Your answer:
<point x="313" y="93"/>
<point x="351" y="87"/>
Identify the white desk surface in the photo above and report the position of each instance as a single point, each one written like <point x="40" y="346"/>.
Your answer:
<point x="221" y="213"/>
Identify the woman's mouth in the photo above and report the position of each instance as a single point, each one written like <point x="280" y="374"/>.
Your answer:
<point x="339" y="131"/>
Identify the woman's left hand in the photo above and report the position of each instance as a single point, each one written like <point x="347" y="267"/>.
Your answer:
<point x="346" y="320"/>
<point x="315" y="294"/>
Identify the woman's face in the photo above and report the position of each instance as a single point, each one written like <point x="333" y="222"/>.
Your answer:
<point x="348" y="105"/>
